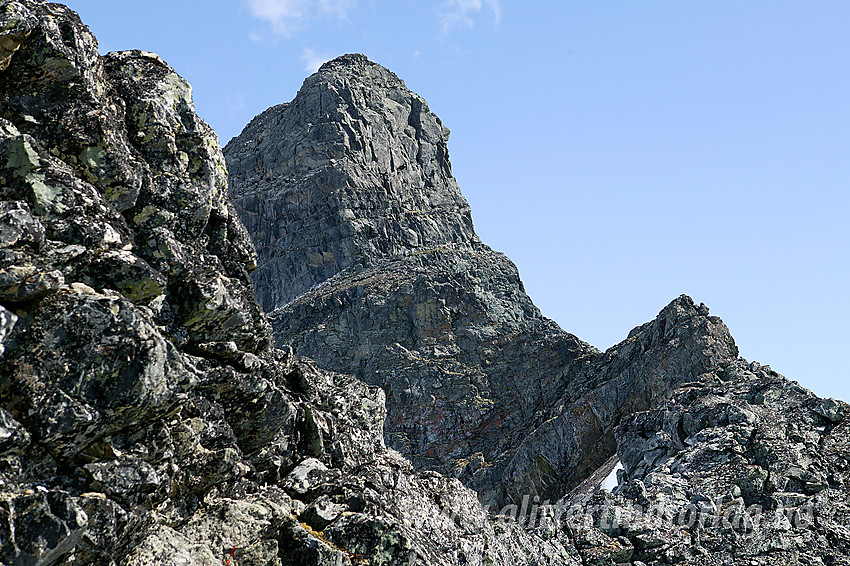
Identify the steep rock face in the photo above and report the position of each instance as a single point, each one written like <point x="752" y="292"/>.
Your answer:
<point x="144" y="419"/>
<point x="368" y="259"/>
<point x="360" y="172"/>
<point x="576" y="433"/>
<point x="724" y="462"/>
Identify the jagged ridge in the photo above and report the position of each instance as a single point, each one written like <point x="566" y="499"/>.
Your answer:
<point x="144" y="419"/>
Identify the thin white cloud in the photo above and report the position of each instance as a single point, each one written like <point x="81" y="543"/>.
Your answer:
<point x="287" y="16"/>
<point x="284" y="16"/>
<point x="257" y="37"/>
<point x="313" y="60"/>
<point x="461" y="14"/>
<point x="235" y="102"/>
<point x="338" y="8"/>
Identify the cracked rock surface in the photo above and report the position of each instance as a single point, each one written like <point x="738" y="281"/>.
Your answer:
<point x="369" y="265"/>
<point x="146" y="418"/>
<point x="741" y="467"/>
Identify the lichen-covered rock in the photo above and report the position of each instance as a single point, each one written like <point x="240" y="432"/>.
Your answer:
<point x="740" y="467"/>
<point x="144" y="418"/>
<point x="110" y="154"/>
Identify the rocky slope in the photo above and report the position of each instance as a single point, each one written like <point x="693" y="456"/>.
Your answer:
<point x="743" y="467"/>
<point x="145" y="419"/>
<point x="369" y="264"/>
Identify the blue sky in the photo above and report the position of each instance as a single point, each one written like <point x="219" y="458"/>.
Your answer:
<point x="620" y="152"/>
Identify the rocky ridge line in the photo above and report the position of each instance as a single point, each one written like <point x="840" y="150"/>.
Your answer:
<point x="369" y="264"/>
<point x="481" y="386"/>
<point x="144" y="420"/>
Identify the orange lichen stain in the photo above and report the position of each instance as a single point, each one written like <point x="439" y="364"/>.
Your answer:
<point x="320" y="535"/>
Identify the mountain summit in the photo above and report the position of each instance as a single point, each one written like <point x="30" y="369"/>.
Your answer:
<point x="369" y="264"/>
<point x="355" y="170"/>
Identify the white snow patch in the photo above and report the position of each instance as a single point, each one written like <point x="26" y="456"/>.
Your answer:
<point x="610" y="482"/>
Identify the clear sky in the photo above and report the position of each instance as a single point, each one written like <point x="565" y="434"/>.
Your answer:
<point x="620" y="152"/>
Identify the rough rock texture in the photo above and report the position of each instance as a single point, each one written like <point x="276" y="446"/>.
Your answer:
<point x="353" y="171"/>
<point x="743" y="467"/>
<point x="369" y="264"/>
<point x="144" y="418"/>
<point x="368" y="259"/>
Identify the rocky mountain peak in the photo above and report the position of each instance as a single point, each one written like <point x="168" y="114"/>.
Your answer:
<point x="356" y="167"/>
<point x="368" y="264"/>
<point x="355" y="63"/>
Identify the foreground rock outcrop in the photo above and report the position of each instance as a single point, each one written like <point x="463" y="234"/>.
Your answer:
<point x="146" y="419"/>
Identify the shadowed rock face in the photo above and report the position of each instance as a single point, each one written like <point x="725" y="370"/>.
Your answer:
<point x="353" y="171"/>
<point x="369" y="264"/>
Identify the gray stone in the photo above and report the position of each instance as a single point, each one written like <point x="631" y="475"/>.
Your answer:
<point x="305" y="477"/>
<point x="27" y="283"/>
<point x="145" y="419"/>
<point x="39" y="527"/>
<point x="123" y="479"/>
<point x="18" y="227"/>
<point x="321" y="512"/>
<point x="830" y="409"/>
<point x="7" y="323"/>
